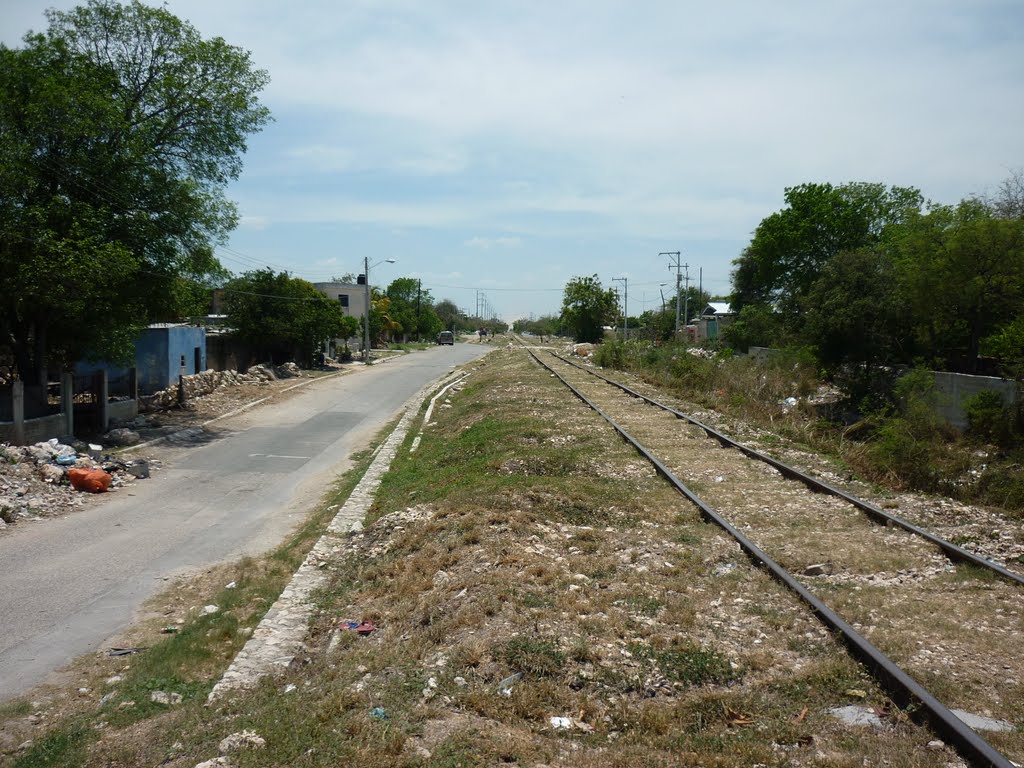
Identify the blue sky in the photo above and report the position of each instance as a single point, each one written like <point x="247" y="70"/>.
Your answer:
<point x="508" y="146"/>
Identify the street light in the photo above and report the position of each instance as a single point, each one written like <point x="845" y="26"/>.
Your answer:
<point x="366" y="318"/>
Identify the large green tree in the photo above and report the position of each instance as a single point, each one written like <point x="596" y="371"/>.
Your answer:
<point x="855" y="318"/>
<point x="448" y="313"/>
<point x="790" y="247"/>
<point x="412" y="308"/>
<point x="119" y="128"/>
<point x="961" y="270"/>
<point x="587" y="307"/>
<point x="283" y="317"/>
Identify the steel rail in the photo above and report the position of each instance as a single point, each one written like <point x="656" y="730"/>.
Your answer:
<point x="906" y="692"/>
<point x="875" y="513"/>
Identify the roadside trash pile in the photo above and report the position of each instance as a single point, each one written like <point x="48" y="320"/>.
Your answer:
<point x="204" y="383"/>
<point x="48" y="478"/>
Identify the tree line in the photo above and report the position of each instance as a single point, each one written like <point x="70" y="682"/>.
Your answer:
<point x="864" y="277"/>
<point x="867" y="276"/>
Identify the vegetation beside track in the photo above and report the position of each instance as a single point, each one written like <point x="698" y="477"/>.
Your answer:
<point x="899" y="442"/>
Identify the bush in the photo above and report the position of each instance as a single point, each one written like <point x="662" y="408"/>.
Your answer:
<point x="1003" y="486"/>
<point x="910" y="446"/>
<point x="988" y="418"/>
<point x="611" y="354"/>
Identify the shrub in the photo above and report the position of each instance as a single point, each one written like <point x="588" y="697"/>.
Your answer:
<point x="910" y="445"/>
<point x="611" y="354"/>
<point x="988" y="418"/>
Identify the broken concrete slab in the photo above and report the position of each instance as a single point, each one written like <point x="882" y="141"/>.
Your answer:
<point x="855" y="715"/>
<point x="982" y="723"/>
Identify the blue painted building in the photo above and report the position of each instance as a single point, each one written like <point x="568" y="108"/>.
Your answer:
<point x="165" y="351"/>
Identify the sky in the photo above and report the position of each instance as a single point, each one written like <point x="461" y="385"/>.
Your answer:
<point x="496" y="149"/>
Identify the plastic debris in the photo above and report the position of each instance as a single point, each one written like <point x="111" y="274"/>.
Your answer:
<point x="505" y="686"/>
<point x="378" y="713"/>
<point x="91" y="480"/>
<point x="561" y="723"/>
<point x="125" y="651"/>
<point x="364" y="628"/>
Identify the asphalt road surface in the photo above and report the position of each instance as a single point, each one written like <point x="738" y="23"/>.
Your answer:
<point x="68" y="584"/>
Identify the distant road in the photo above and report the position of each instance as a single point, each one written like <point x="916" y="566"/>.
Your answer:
<point x="67" y="584"/>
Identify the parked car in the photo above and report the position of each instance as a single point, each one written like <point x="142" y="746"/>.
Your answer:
<point x="446" y="337"/>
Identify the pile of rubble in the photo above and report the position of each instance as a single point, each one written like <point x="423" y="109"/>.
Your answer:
<point x="34" y="479"/>
<point x="204" y="383"/>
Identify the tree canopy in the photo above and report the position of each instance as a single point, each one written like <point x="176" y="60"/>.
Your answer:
<point x="587" y="307"/>
<point x="119" y="128"/>
<point x="791" y="246"/>
<point x="412" y="308"/>
<point x="282" y="317"/>
<point x="868" y="276"/>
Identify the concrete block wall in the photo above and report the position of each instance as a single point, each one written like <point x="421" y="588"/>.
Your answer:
<point x="955" y="388"/>
<point x="35" y="430"/>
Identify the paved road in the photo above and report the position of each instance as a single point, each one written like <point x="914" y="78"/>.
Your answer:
<point x="68" y="584"/>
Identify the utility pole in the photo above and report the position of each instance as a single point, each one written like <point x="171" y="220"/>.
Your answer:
<point x="367" y="266"/>
<point x="625" y="306"/>
<point x="678" y="267"/>
<point x="419" y="292"/>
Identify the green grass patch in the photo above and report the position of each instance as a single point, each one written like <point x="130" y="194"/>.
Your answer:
<point x="684" y="663"/>
<point x="65" y="746"/>
<point x="537" y="656"/>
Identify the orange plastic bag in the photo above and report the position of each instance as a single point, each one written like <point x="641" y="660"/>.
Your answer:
<point x="91" y="480"/>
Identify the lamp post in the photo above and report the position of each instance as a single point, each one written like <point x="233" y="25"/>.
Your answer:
<point x="366" y="318"/>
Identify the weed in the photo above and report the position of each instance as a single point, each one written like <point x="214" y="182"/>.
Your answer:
<point x="643" y="605"/>
<point x="988" y="418"/>
<point x="537" y="656"/>
<point x="65" y="746"/>
<point x="688" y="664"/>
<point x="15" y="708"/>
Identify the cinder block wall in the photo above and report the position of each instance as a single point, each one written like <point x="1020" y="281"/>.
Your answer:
<point x="955" y="388"/>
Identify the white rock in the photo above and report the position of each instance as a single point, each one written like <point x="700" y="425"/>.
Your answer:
<point x="210" y="609"/>
<point x="165" y="698"/>
<point x="241" y="740"/>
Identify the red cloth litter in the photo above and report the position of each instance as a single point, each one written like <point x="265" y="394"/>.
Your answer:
<point x="91" y="480"/>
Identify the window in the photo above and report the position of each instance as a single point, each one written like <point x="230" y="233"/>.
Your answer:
<point x="343" y="300"/>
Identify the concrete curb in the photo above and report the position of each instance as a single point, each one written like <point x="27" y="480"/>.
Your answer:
<point x="279" y="636"/>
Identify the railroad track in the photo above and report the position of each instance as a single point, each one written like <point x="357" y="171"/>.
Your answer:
<point x="939" y="617"/>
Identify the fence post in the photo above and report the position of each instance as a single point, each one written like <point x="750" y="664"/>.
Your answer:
<point x="67" y="401"/>
<point x="18" y="406"/>
<point x="103" y="399"/>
